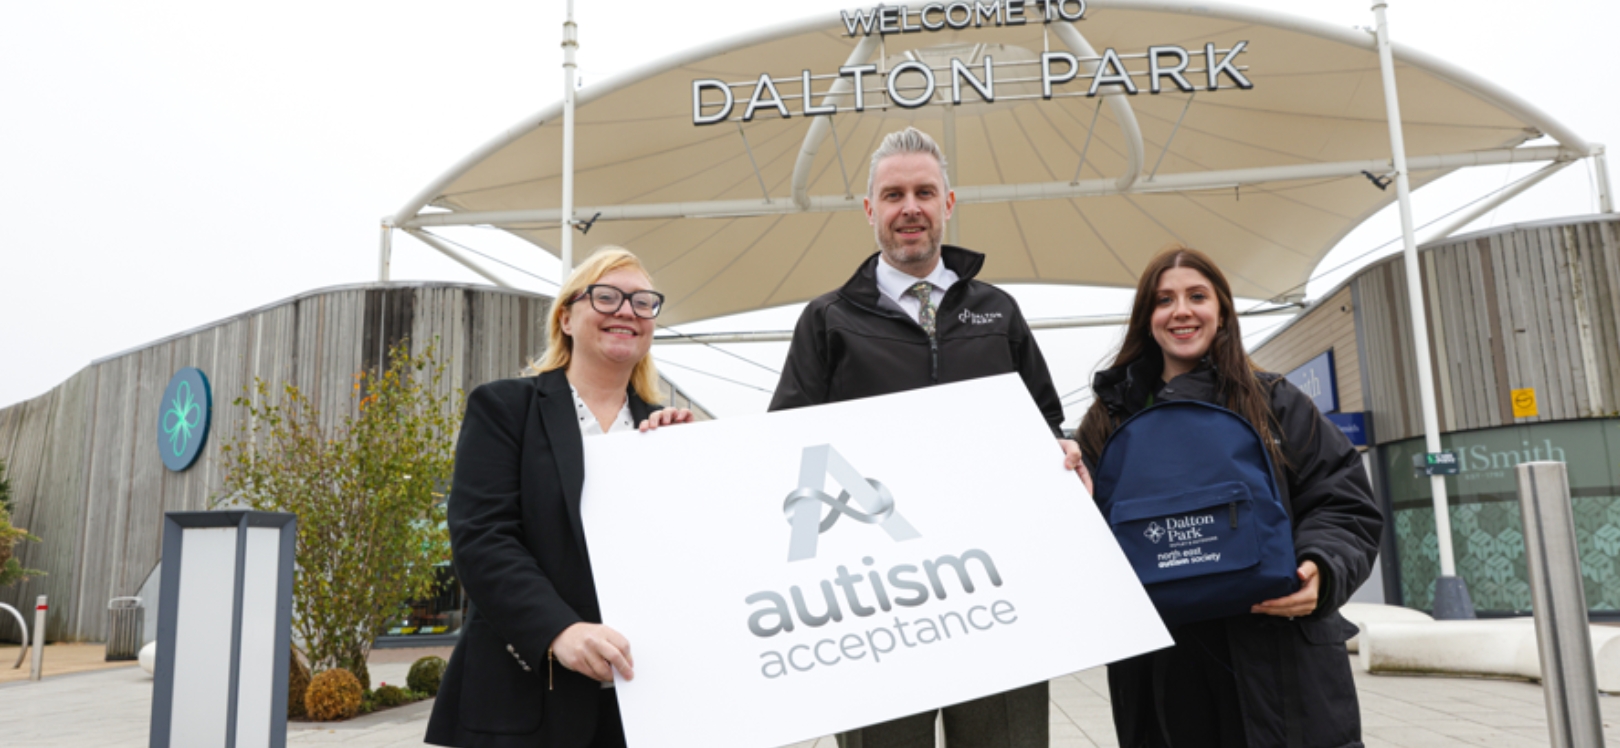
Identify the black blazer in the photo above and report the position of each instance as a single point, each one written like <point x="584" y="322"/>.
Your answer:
<point x="519" y="551"/>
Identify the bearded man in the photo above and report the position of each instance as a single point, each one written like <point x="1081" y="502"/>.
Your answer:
<point x="914" y="316"/>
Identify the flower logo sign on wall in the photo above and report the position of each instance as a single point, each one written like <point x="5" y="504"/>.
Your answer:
<point x="183" y="418"/>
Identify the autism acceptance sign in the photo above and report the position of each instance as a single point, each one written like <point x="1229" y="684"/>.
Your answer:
<point x="790" y="575"/>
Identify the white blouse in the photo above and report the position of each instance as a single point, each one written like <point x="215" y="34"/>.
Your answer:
<point x="589" y="426"/>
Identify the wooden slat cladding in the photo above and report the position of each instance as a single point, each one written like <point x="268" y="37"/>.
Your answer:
<point x="1330" y="326"/>
<point x="83" y="460"/>
<point x="1532" y="306"/>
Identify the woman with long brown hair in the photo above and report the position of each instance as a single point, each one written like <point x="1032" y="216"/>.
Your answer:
<point x="1278" y="675"/>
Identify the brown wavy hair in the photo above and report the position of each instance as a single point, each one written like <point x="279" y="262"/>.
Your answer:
<point x="1237" y="387"/>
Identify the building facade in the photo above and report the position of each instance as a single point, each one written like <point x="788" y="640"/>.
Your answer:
<point x="84" y="459"/>
<point x="1524" y="324"/>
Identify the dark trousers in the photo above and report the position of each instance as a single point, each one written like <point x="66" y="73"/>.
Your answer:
<point x="1019" y="718"/>
<point x="609" y="726"/>
<point x="1185" y="696"/>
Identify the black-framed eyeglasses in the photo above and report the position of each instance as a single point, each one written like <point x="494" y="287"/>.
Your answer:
<point x="608" y="299"/>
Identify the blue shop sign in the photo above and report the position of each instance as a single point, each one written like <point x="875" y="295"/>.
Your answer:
<point x="1315" y="378"/>
<point x="183" y="418"/>
<point x="1352" y="425"/>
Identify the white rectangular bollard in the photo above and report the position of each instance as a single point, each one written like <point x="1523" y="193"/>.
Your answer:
<point x="224" y="630"/>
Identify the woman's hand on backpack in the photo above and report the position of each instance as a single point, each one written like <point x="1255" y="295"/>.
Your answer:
<point x="1301" y="603"/>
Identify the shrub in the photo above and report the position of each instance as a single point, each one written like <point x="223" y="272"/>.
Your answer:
<point x="11" y="570"/>
<point x="390" y="696"/>
<point x="333" y="694"/>
<point x="425" y="675"/>
<point x="297" y="686"/>
<point x="366" y="483"/>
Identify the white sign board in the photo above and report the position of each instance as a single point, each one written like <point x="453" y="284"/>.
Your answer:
<point x="790" y="575"/>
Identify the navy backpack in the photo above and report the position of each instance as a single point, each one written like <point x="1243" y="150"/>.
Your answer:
<point x="1188" y="490"/>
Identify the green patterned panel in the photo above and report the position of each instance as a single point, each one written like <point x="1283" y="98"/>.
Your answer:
<point x="1487" y="530"/>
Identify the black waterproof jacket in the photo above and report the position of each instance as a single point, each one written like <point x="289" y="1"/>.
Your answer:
<point x="1293" y="676"/>
<point x="849" y="345"/>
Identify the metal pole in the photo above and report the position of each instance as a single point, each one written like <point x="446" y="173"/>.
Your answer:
<point x="22" y="626"/>
<point x="1600" y="164"/>
<point x="36" y="669"/>
<point x="385" y="252"/>
<point x="465" y="261"/>
<point x="953" y="227"/>
<point x="1496" y="201"/>
<point x="570" y="46"/>
<point x="1568" y="675"/>
<point x="1450" y="593"/>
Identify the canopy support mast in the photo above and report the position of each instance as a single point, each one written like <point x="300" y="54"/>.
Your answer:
<point x="385" y="251"/>
<point x="1600" y="164"/>
<point x="1451" y="599"/>
<point x="570" y="45"/>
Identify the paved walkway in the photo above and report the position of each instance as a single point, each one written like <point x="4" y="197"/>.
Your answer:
<point x="112" y="708"/>
<point x="60" y="659"/>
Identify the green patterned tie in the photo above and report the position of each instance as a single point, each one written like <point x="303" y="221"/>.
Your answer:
<point x="923" y="291"/>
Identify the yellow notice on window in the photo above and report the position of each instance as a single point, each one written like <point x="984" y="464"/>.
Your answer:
<point x="1524" y="403"/>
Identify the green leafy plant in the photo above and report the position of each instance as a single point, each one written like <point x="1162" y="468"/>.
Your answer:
<point x="297" y="686"/>
<point x="387" y="696"/>
<point x="370" y="523"/>
<point x="11" y="569"/>
<point x="5" y="489"/>
<point x="425" y="675"/>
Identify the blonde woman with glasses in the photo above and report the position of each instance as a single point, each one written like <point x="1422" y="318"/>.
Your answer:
<point x="535" y="663"/>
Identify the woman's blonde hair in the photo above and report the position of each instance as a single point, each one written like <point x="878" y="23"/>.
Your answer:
<point x="560" y="347"/>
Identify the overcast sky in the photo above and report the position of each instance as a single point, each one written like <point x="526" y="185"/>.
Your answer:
<point x="167" y="164"/>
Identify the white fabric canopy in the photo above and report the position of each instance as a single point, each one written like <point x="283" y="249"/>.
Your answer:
<point x="1266" y="180"/>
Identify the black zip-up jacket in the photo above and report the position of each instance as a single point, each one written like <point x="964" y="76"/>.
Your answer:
<point x="848" y="345"/>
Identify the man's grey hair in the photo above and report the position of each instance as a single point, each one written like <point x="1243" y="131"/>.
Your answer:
<point x="909" y="140"/>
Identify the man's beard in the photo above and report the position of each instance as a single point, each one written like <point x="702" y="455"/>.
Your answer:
<point x="897" y="253"/>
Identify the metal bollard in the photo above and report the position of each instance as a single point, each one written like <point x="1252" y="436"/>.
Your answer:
<point x="1568" y="676"/>
<point x="22" y="626"/>
<point x="36" y="669"/>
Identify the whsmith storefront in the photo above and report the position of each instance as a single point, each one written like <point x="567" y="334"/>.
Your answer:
<point x="1525" y="323"/>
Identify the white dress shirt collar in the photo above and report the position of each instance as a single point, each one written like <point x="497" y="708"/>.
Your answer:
<point x="892" y="283"/>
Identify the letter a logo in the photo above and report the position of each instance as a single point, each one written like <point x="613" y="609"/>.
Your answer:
<point x="803" y="506"/>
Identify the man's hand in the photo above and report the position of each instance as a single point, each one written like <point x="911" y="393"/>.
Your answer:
<point x="1301" y="603"/>
<point x="666" y="417"/>
<point x="593" y="650"/>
